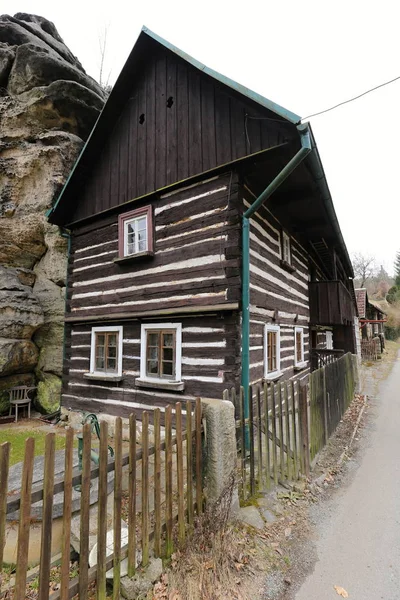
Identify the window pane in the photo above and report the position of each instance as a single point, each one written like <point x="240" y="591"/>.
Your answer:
<point x="168" y="339"/>
<point x="152" y="339"/>
<point x="112" y="352"/>
<point x="99" y="363"/>
<point x="153" y="352"/>
<point x="112" y="339"/>
<point x="100" y="339"/>
<point x="152" y="367"/>
<point x="142" y="246"/>
<point x="131" y="249"/>
<point x="111" y="364"/>
<point x="142" y="223"/>
<point x="168" y="354"/>
<point x="168" y="368"/>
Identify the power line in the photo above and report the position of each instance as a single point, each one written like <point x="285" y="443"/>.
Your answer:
<point x="350" y="99"/>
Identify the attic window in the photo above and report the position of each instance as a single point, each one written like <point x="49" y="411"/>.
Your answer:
<point x="135" y="233"/>
<point x="170" y="102"/>
<point x="286" y="248"/>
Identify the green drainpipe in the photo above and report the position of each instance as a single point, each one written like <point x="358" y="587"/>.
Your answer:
<point x="305" y="139"/>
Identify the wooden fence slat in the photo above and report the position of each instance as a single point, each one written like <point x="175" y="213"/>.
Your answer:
<point x="67" y="512"/>
<point x="259" y="439"/>
<point x="117" y="508"/>
<point x="274" y="444"/>
<point x="251" y="441"/>
<point x="101" y="582"/>
<point x="85" y="507"/>
<point x="199" y="460"/>
<point x="266" y="426"/>
<point x="132" y="497"/>
<point x="168" y="481"/>
<point x="304" y="428"/>
<point x="145" y="489"/>
<point x="189" y="463"/>
<point x="294" y="431"/>
<point x="242" y="443"/>
<point x="47" y="516"/>
<point x="157" y="484"/>
<point x="24" y="521"/>
<point x="287" y="427"/>
<point x="4" y="470"/>
<point x="179" y="467"/>
<point x="281" y="433"/>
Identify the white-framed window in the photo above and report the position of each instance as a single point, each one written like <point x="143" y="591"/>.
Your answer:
<point x="299" y="347"/>
<point x="135" y="232"/>
<point x="286" y="254"/>
<point x="272" y="351"/>
<point x="161" y="354"/>
<point x="106" y="351"/>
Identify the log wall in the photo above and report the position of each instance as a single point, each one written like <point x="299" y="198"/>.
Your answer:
<point x="277" y="295"/>
<point x="210" y="363"/>
<point x="196" y="260"/>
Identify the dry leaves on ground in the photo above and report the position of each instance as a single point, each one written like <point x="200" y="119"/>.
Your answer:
<point x="341" y="591"/>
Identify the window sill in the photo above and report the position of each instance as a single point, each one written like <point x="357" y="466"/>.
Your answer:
<point x="102" y="377"/>
<point x="273" y="376"/>
<point x="287" y="266"/>
<point x="301" y="366"/>
<point x="133" y="257"/>
<point x="161" y="384"/>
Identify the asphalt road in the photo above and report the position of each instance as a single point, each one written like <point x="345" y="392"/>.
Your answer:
<point x="358" y="534"/>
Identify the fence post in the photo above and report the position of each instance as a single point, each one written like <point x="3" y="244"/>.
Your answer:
<point x="325" y="405"/>
<point x="221" y="458"/>
<point x="304" y="427"/>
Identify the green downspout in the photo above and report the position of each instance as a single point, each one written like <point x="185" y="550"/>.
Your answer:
<point x="305" y="139"/>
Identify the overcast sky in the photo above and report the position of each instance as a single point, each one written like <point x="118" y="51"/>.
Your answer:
<point x="305" y="56"/>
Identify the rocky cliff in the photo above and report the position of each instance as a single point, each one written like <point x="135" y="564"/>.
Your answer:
<point x="48" y="105"/>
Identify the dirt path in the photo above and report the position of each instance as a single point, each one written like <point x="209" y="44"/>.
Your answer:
<point x="357" y="531"/>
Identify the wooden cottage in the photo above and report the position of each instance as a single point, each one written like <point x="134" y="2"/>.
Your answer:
<point x="165" y="300"/>
<point x="371" y="318"/>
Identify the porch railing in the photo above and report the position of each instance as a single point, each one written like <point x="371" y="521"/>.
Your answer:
<point x="320" y="357"/>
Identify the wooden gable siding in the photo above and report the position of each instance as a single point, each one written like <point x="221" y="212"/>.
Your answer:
<point x="196" y="261"/>
<point x="277" y="296"/>
<point x="177" y="123"/>
<point x="210" y="364"/>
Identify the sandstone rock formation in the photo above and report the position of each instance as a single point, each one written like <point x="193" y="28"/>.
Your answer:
<point x="48" y="105"/>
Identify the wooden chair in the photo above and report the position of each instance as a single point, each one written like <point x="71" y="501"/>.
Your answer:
<point x="19" y="398"/>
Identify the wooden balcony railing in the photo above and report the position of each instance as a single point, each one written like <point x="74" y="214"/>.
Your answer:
<point x="330" y="303"/>
<point x="320" y="357"/>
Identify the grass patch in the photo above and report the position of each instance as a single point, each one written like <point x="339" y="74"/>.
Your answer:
<point x="17" y="440"/>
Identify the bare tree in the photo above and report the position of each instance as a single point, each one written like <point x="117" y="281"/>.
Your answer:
<point x="104" y="81"/>
<point x="364" y="267"/>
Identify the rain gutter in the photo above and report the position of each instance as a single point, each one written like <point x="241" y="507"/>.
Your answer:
<point x="306" y="147"/>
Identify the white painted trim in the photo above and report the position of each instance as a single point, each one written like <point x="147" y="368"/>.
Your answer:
<point x="178" y="350"/>
<point x="109" y="329"/>
<point x="200" y="261"/>
<point x="268" y="327"/>
<point x="301" y="331"/>
<point x="191" y="199"/>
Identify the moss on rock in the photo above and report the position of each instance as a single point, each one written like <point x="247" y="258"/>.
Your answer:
<point x="48" y="394"/>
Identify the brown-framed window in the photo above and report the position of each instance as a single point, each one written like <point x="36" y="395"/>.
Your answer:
<point x="272" y="350"/>
<point x="298" y="345"/>
<point x="286" y="253"/>
<point x="161" y="353"/>
<point x="106" y="352"/>
<point x="135" y="232"/>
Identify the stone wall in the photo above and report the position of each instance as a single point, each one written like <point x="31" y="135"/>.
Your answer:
<point x="48" y="106"/>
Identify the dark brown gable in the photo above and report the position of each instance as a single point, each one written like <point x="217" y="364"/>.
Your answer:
<point x="177" y="123"/>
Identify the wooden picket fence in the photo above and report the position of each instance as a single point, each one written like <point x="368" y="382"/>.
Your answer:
<point x="331" y="392"/>
<point x="273" y="439"/>
<point x="182" y="489"/>
<point x="370" y="349"/>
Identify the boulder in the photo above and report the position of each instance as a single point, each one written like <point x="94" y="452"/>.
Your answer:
<point x="48" y="106"/>
<point x="17" y="356"/>
<point x="48" y="394"/>
<point x="35" y="66"/>
<point x="7" y="56"/>
<point x="20" y="311"/>
<point x="50" y="340"/>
